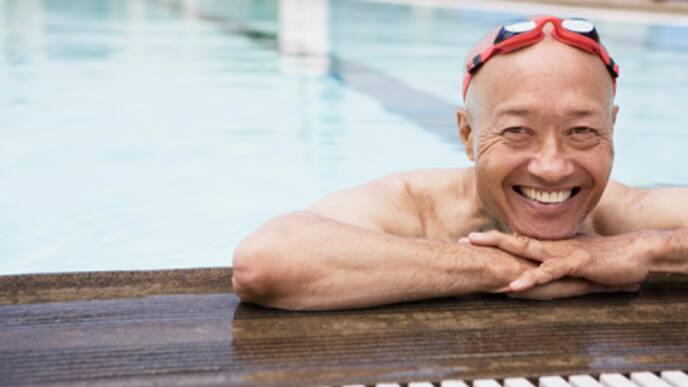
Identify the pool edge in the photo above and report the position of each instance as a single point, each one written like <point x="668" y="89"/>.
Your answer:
<point x="77" y="286"/>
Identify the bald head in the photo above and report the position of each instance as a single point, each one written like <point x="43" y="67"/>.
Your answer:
<point x="547" y="66"/>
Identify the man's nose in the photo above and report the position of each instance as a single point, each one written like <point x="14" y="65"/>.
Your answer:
<point x="551" y="162"/>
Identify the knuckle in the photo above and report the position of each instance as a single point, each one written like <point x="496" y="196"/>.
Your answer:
<point x="495" y="236"/>
<point x="549" y="267"/>
<point x="523" y="241"/>
<point x="583" y="256"/>
<point x="580" y="261"/>
<point x="547" y="272"/>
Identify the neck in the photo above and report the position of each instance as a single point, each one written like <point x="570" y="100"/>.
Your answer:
<point x="486" y="222"/>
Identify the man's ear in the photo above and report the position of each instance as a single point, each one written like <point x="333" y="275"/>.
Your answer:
<point x="465" y="132"/>
<point x="615" y="111"/>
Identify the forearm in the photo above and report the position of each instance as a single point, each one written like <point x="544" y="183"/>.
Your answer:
<point x="304" y="261"/>
<point x="670" y="251"/>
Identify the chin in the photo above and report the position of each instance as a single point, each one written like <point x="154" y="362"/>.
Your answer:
<point x="546" y="231"/>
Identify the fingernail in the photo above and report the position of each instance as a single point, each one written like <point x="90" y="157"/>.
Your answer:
<point x="464" y="240"/>
<point x="475" y="235"/>
<point x="519" y="284"/>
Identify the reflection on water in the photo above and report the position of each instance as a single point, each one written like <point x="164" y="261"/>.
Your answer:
<point x="150" y="134"/>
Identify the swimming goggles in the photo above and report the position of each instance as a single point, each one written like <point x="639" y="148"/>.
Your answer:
<point x="577" y="32"/>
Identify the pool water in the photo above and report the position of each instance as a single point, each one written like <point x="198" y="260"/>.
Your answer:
<point x="141" y="134"/>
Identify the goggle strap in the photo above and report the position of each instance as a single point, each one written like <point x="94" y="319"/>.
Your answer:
<point x="613" y="68"/>
<point x="476" y="63"/>
<point x="600" y="51"/>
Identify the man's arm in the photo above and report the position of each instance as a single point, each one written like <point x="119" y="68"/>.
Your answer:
<point x="306" y="261"/>
<point x="360" y="247"/>
<point x="664" y="210"/>
<point x="625" y="209"/>
<point x="658" y="215"/>
<point x="646" y="231"/>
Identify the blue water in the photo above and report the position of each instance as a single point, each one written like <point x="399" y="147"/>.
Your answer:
<point x="142" y="134"/>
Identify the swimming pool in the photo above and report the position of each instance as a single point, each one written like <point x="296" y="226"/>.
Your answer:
<point x="142" y="134"/>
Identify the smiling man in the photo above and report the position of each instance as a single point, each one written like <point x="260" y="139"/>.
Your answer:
<point x="537" y="216"/>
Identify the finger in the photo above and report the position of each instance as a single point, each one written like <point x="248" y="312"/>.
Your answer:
<point x="547" y="272"/>
<point x="523" y="283"/>
<point x="520" y="245"/>
<point x="569" y="287"/>
<point x="563" y="288"/>
<point x="503" y="289"/>
<point x="591" y="287"/>
<point x="488" y="238"/>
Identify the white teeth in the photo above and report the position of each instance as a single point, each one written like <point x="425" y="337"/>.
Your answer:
<point x="545" y="197"/>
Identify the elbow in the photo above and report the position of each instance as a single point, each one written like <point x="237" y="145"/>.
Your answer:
<point x="268" y="268"/>
<point x="249" y="274"/>
<point x="262" y="269"/>
<point x="259" y="277"/>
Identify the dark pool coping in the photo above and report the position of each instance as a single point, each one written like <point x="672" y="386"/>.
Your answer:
<point x="100" y="285"/>
<point x="215" y="340"/>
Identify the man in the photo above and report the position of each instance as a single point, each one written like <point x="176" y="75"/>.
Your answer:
<point x="537" y="216"/>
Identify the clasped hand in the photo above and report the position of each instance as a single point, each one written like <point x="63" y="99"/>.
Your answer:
<point x="582" y="264"/>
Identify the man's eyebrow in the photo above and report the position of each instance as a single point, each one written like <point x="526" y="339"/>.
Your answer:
<point x="521" y="112"/>
<point x="514" y="112"/>
<point x="583" y="112"/>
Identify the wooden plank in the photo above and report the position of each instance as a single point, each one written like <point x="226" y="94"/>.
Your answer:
<point x="34" y="288"/>
<point x="212" y="339"/>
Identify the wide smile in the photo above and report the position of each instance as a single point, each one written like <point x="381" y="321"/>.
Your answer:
<point x="546" y="197"/>
<point x="546" y="212"/>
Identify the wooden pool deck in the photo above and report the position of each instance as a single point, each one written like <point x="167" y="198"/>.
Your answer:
<point x="186" y="327"/>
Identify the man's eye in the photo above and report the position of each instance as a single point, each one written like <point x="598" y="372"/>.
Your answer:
<point x="584" y="136"/>
<point x="583" y="131"/>
<point x="515" y="131"/>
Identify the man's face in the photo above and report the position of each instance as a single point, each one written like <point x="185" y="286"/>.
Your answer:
<point x="540" y="131"/>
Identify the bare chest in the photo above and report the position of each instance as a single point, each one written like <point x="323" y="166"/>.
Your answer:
<point x="450" y="222"/>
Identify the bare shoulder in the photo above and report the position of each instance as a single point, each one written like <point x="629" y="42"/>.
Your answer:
<point x="392" y="204"/>
<point x="615" y="192"/>
<point x="427" y="181"/>
<point x="441" y="201"/>
<point x="609" y="216"/>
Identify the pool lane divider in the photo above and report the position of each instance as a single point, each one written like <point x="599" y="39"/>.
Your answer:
<point x="421" y="108"/>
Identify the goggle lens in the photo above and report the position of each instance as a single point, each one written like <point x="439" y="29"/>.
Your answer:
<point x="581" y="26"/>
<point x="520" y="26"/>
